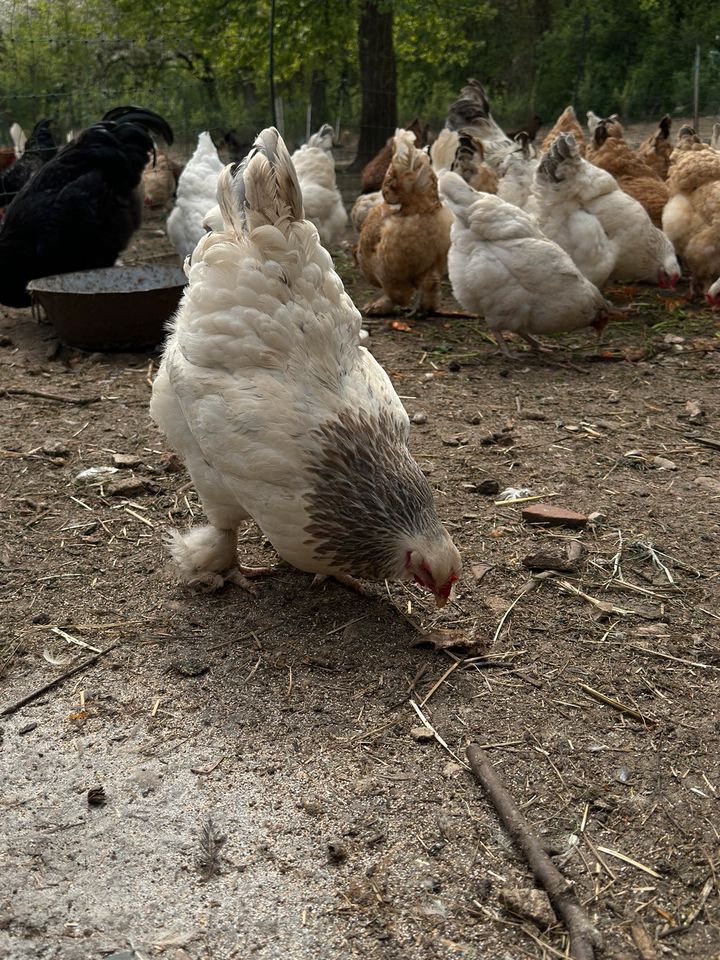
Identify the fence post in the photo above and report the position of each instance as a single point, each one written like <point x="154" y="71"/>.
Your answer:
<point x="696" y="91"/>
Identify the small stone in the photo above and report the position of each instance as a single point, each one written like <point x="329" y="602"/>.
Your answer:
<point x="661" y="463"/>
<point x="27" y="728"/>
<point x="552" y="516"/>
<point x="451" y="442"/>
<point x="96" y="797"/>
<point x="419" y="417"/>
<point x="529" y="903"/>
<point x="451" y="769"/>
<point x="5" y="341"/>
<point x="132" y="487"/>
<point x="711" y="484"/>
<point x="454" y="366"/>
<point x="125" y="461"/>
<point x="478" y="570"/>
<point x="572" y="428"/>
<point x="673" y="338"/>
<point x="532" y="415"/>
<point x="488" y="488"/>
<point x="171" y="463"/>
<point x="694" y="411"/>
<point x="55" y="448"/>
<point x="596" y="517"/>
<point x="574" y="550"/>
<point x="336" y="850"/>
<point x="190" y="667"/>
<point x="422" y="734"/>
<point x="41" y="618"/>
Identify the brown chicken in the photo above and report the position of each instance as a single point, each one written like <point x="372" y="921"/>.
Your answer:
<point x="372" y="174"/>
<point x="691" y="218"/>
<point x="609" y="150"/>
<point x="567" y="122"/>
<point x="159" y="180"/>
<point x="657" y="148"/>
<point x="404" y="241"/>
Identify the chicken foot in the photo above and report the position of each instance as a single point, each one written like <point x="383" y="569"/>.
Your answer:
<point x="344" y="578"/>
<point x="206" y="557"/>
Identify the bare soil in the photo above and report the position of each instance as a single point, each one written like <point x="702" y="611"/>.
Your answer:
<point x="283" y="722"/>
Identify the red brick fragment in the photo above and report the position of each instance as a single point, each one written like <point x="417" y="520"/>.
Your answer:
<point x="552" y="516"/>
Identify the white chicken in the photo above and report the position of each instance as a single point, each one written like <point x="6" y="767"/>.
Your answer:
<point x="641" y="251"/>
<point x="517" y="171"/>
<point x="315" y="167"/>
<point x="195" y="195"/>
<point x="713" y="294"/>
<point x="279" y="413"/>
<point x="504" y="269"/>
<point x="362" y="207"/>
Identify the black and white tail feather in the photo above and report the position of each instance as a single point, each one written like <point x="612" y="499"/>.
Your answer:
<point x="263" y="189"/>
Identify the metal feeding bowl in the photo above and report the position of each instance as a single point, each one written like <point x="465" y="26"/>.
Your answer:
<point x="118" y="308"/>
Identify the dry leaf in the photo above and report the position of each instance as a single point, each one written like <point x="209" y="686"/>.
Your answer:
<point x="460" y="641"/>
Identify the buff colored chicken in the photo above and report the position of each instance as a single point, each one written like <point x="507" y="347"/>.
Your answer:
<point x="656" y="149"/>
<point x="196" y="191"/>
<point x="404" y="242"/>
<point x="567" y="122"/>
<point x="278" y="411"/>
<point x="159" y="180"/>
<point x="609" y="150"/>
<point x="691" y="218"/>
<point x="505" y="269"/>
<point x="315" y="166"/>
<point x="641" y="251"/>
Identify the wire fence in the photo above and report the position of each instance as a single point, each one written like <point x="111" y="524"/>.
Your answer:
<point x="53" y="65"/>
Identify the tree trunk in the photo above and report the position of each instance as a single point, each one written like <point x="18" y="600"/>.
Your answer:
<point x="378" y="79"/>
<point x="318" y="100"/>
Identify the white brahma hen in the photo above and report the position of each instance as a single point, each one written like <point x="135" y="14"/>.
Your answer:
<point x="517" y="171"/>
<point x="279" y="413"/>
<point x="315" y="167"/>
<point x="195" y="195"/>
<point x="503" y="268"/>
<point x="641" y="251"/>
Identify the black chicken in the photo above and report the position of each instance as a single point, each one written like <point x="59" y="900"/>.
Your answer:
<point x="80" y="211"/>
<point x="40" y="148"/>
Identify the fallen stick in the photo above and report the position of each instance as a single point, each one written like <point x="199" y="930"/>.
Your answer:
<point x="585" y="939"/>
<point x="22" y="392"/>
<point x="7" y="711"/>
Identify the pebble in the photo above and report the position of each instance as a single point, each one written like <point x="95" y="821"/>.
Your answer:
<point x="131" y="487"/>
<point x="532" y="415"/>
<point x="711" y="484"/>
<point x="41" y="618"/>
<point x="5" y="341"/>
<point x="454" y="366"/>
<point x="336" y="850"/>
<point x="553" y="516"/>
<point x="190" y="667"/>
<point x="548" y="561"/>
<point x="662" y="464"/>
<point x="55" y="448"/>
<point x="419" y="417"/>
<point x="422" y="734"/>
<point x="27" y="728"/>
<point x="125" y="460"/>
<point x="487" y="487"/>
<point x="529" y="903"/>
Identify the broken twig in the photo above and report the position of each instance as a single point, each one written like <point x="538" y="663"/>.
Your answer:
<point x="56" y="682"/>
<point x="23" y="392"/>
<point x="585" y="938"/>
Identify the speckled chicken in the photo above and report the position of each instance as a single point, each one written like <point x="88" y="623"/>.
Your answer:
<point x="195" y="196"/>
<point x="462" y="152"/>
<point x="471" y="112"/>
<point x="278" y="411"/>
<point x="503" y="268"/>
<point x="403" y="243"/>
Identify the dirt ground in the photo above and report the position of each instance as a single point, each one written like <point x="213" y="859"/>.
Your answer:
<point x="267" y="791"/>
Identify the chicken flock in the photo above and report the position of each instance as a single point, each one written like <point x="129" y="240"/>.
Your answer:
<point x="265" y="388"/>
